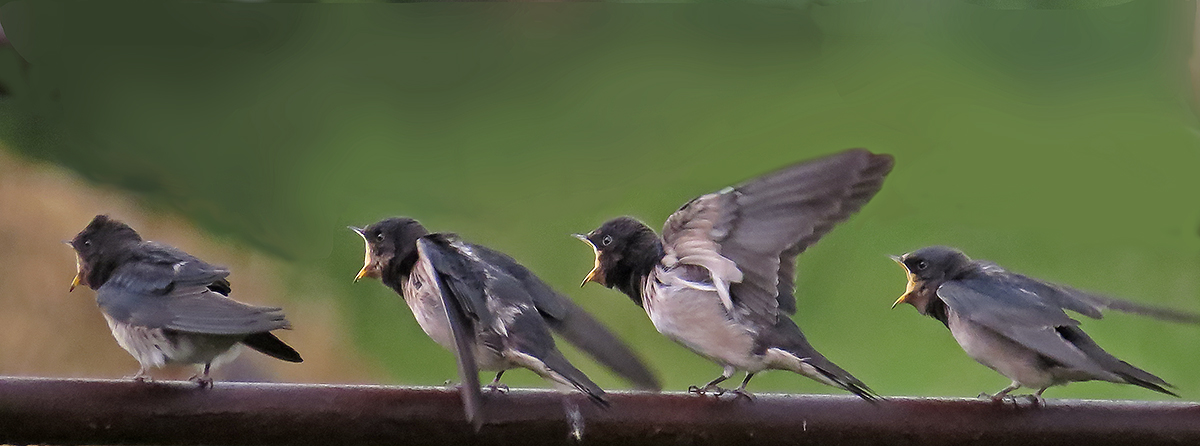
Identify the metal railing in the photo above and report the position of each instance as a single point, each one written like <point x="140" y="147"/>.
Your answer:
<point x="56" y="411"/>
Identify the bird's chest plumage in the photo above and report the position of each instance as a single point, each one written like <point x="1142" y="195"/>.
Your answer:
<point x="424" y="298"/>
<point x="999" y="353"/>
<point x="695" y="317"/>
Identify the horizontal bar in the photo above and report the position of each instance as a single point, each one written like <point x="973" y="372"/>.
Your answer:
<point x="39" y="410"/>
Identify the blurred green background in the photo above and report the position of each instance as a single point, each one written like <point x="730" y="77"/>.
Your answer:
<point x="1059" y="143"/>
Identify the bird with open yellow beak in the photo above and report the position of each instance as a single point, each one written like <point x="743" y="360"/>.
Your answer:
<point x="490" y="310"/>
<point x="1016" y="325"/>
<point x="720" y="280"/>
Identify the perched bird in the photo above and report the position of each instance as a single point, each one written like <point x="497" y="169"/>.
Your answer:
<point x="469" y="298"/>
<point x="720" y="280"/>
<point x="165" y="306"/>
<point x="1016" y="325"/>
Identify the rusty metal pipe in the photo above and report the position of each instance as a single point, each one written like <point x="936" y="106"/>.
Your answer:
<point x="37" y="410"/>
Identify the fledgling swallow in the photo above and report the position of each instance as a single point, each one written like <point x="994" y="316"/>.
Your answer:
<point x="1016" y="325"/>
<point x="165" y="306"/>
<point x="720" y="280"/>
<point x="469" y="298"/>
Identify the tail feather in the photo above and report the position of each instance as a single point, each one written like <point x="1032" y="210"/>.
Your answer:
<point x="788" y="337"/>
<point x="267" y="344"/>
<point x="1125" y="370"/>
<point x="585" y="332"/>
<point x="1149" y="385"/>
<point x="558" y="364"/>
<point x="848" y="382"/>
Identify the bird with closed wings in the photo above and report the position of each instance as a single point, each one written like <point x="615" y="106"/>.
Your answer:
<point x="1017" y="326"/>
<point x="490" y="310"/>
<point x="165" y="306"/>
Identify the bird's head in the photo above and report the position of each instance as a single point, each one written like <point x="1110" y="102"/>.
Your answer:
<point x="619" y="245"/>
<point x="927" y="269"/>
<point x="386" y="243"/>
<point x="101" y="240"/>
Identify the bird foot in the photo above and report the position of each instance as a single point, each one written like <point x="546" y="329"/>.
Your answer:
<point x="997" y="398"/>
<point x="204" y="381"/>
<point x="140" y="377"/>
<point x="740" y="393"/>
<point x="1015" y="400"/>
<point x="500" y="388"/>
<point x="711" y="388"/>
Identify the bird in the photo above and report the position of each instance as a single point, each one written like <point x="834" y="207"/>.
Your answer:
<point x="470" y="298"/>
<point x="165" y="306"/>
<point x="1017" y="326"/>
<point x="720" y="280"/>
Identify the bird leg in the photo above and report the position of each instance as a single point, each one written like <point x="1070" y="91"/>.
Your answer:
<point x="1002" y="394"/>
<point x="496" y="385"/>
<point x="712" y="385"/>
<point x="202" y="378"/>
<point x="142" y="375"/>
<point x="1036" y="397"/>
<point x="741" y="392"/>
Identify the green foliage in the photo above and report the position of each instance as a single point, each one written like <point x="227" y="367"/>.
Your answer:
<point x="1056" y="143"/>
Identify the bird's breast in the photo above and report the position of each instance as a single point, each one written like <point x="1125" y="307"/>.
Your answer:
<point x="424" y="298"/>
<point x="999" y="353"/>
<point x="696" y="318"/>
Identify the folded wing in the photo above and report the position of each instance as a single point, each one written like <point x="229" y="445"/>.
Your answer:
<point x="575" y="324"/>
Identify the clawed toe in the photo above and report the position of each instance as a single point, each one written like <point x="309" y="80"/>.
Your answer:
<point x="497" y="387"/>
<point x="1015" y="400"/>
<point x="706" y="390"/>
<point x="204" y="381"/>
<point x="742" y="393"/>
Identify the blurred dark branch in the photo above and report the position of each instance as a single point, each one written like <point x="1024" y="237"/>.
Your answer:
<point x="36" y="410"/>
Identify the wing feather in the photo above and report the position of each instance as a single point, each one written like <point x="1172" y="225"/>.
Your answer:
<point x="143" y="294"/>
<point x="750" y="235"/>
<point x="1022" y="316"/>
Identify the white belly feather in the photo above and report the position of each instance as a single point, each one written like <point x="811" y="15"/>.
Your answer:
<point x="422" y="296"/>
<point x="695" y="317"/>
<point x="999" y="353"/>
<point x="155" y="347"/>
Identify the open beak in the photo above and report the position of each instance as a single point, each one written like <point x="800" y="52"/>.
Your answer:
<point x="595" y="275"/>
<point x="78" y="270"/>
<point x="912" y="283"/>
<point x="366" y="257"/>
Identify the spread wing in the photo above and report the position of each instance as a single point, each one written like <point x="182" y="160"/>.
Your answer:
<point x="163" y="295"/>
<point x="748" y="236"/>
<point x="1023" y="316"/>
<point x="573" y="323"/>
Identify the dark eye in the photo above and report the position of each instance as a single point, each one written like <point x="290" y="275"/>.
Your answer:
<point x="921" y="265"/>
<point x="87" y="243"/>
<point x="607" y="240"/>
<point x="379" y="236"/>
